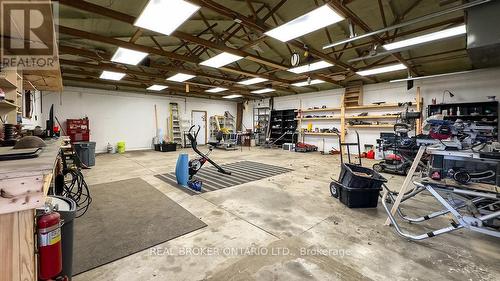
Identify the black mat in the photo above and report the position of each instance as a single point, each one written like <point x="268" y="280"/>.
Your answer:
<point x="241" y="172"/>
<point x="126" y="217"/>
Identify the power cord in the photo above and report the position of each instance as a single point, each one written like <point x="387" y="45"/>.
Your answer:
<point x="77" y="189"/>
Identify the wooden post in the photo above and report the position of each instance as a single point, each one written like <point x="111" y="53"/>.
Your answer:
<point x="420" y="101"/>
<point x="156" y="122"/>
<point x="342" y="119"/>
<point x="406" y="183"/>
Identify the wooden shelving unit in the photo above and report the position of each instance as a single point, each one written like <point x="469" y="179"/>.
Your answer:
<point x="319" y="109"/>
<point x="318" y="118"/>
<point x="372" y="126"/>
<point x="320" y="134"/>
<point x="373" y="117"/>
<point x="344" y="111"/>
<point x="7" y="105"/>
<point x="373" y="106"/>
<point x="6" y="84"/>
<point x="11" y="82"/>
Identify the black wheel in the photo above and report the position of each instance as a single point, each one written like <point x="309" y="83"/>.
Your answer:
<point x="378" y="168"/>
<point x="333" y="190"/>
<point x="406" y="170"/>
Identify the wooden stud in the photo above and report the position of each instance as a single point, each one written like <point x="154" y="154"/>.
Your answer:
<point x="406" y="183"/>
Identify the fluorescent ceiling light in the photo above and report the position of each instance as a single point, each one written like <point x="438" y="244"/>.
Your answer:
<point x="310" y="67"/>
<point x="165" y="16"/>
<point x="157" y="88"/>
<point x="263" y="91"/>
<point x="314" y="20"/>
<point x="252" y="81"/>
<point x="110" y="75"/>
<point x="221" y="60"/>
<point x="128" y="56"/>
<point x="430" y="76"/>
<point x="232" y="96"/>
<point x="216" y="90"/>
<point x="450" y="32"/>
<point x="306" y="83"/>
<point x="384" y="69"/>
<point x="180" y="77"/>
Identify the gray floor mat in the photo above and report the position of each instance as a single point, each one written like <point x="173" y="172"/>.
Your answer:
<point x="126" y="217"/>
<point x="241" y="172"/>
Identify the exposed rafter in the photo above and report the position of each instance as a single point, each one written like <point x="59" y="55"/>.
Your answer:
<point x="219" y="28"/>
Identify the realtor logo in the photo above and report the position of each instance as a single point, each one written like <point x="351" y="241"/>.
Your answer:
<point x="28" y="37"/>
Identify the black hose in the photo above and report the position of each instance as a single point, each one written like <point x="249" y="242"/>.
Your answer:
<point x="77" y="189"/>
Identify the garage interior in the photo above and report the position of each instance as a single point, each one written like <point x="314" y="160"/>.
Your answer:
<point x="249" y="140"/>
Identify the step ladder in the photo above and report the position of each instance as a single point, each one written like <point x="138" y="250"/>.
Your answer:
<point x="353" y="95"/>
<point x="175" y="124"/>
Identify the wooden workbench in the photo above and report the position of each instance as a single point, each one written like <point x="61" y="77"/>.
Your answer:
<point x="23" y="187"/>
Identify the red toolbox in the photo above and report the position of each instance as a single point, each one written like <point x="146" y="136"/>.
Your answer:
<point x="78" y="129"/>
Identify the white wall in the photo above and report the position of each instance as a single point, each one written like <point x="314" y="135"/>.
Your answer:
<point x="474" y="86"/>
<point x="122" y="116"/>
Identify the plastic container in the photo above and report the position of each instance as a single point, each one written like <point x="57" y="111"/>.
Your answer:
<point x="67" y="210"/>
<point x="166" y="147"/>
<point x="182" y="169"/>
<point x="351" y="176"/>
<point x="120" y="147"/>
<point x="85" y="152"/>
<point x="356" y="197"/>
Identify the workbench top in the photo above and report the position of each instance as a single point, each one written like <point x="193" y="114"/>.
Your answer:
<point x="41" y="164"/>
<point x="24" y="183"/>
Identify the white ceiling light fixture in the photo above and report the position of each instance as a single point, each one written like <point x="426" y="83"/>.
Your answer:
<point x="384" y="69"/>
<point x="220" y="60"/>
<point x="263" y="91"/>
<point x="252" y="81"/>
<point x="216" y="90"/>
<point x="157" y="88"/>
<point x="432" y="76"/>
<point x="232" y="96"/>
<point x="128" y="56"/>
<point x="312" y="21"/>
<point x="307" y="83"/>
<point x="165" y="16"/>
<point x="180" y="77"/>
<point x="310" y="67"/>
<point x="111" y="75"/>
<point x="443" y="34"/>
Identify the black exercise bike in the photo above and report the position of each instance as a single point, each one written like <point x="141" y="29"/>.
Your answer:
<point x="196" y="164"/>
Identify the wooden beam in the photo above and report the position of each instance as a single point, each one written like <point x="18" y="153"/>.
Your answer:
<point x="100" y="56"/>
<point x="112" y="41"/>
<point x="155" y="78"/>
<point x="263" y="27"/>
<point x="86" y="6"/>
<point x="159" y="67"/>
<point x="355" y="19"/>
<point x="117" y="84"/>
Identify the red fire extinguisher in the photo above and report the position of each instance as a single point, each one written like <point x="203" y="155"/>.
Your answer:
<point x="49" y="245"/>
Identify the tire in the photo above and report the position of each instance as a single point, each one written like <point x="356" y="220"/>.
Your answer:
<point x="407" y="170"/>
<point x="333" y="190"/>
<point x="378" y="168"/>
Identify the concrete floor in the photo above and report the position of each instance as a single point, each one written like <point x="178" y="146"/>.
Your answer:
<point x="288" y="228"/>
